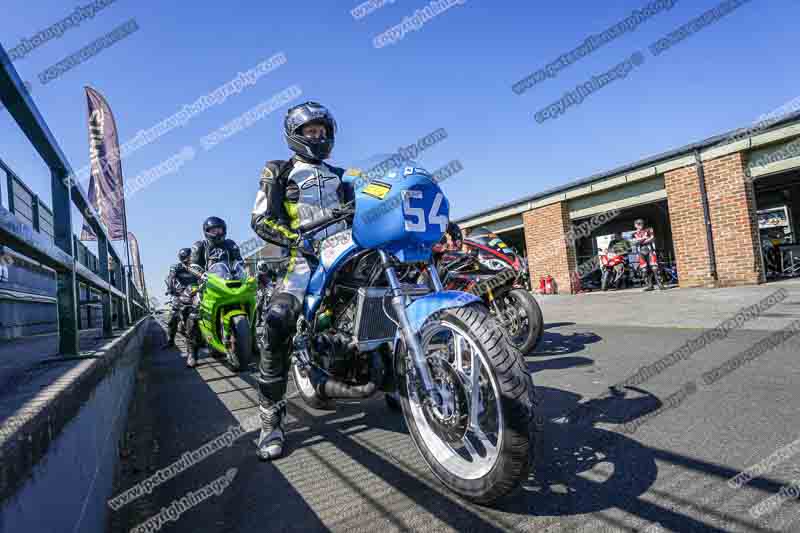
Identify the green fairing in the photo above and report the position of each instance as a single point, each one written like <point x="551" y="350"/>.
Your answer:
<point x="225" y="299"/>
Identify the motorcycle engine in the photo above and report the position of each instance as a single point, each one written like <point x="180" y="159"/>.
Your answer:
<point x="332" y="346"/>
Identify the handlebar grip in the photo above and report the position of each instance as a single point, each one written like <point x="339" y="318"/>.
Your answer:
<point x="314" y="224"/>
<point x="336" y="216"/>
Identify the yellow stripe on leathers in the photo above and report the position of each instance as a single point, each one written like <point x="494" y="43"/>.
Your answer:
<point x="283" y="230"/>
<point x="290" y="268"/>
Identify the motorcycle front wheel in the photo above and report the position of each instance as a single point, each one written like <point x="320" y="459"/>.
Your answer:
<point x="241" y="351"/>
<point x="475" y="431"/>
<point x="522" y="319"/>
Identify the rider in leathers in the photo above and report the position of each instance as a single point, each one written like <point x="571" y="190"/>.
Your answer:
<point x="646" y="240"/>
<point x="291" y="194"/>
<point x="215" y="248"/>
<point x="178" y="279"/>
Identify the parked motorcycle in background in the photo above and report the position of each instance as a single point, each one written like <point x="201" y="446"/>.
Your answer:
<point x="498" y="274"/>
<point x="615" y="269"/>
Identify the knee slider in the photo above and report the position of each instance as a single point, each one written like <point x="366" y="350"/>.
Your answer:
<point x="278" y="319"/>
<point x="277" y="315"/>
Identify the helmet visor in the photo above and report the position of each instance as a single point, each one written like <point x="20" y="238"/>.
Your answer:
<point x="305" y="114"/>
<point x="215" y="231"/>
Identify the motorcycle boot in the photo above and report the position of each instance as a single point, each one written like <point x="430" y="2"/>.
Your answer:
<point x="272" y="438"/>
<point x="648" y="281"/>
<point x="192" y="339"/>
<point x="191" y="358"/>
<point x="657" y="275"/>
<point x="172" y="327"/>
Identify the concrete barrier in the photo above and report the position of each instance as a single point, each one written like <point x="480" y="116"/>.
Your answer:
<point x="60" y="434"/>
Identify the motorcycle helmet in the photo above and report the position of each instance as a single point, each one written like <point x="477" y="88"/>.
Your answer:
<point x="184" y="254"/>
<point x="302" y="115"/>
<point x="215" y="230"/>
<point x="456" y="239"/>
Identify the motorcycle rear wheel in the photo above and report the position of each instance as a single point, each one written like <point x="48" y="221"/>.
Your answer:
<point x="307" y="391"/>
<point x="475" y="435"/>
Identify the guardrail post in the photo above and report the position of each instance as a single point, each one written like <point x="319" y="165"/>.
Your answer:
<point x="68" y="337"/>
<point x="105" y="297"/>
<point x="126" y="288"/>
<point x="35" y="210"/>
<point x="10" y="182"/>
<point x="121" y="303"/>
<point x="121" y="313"/>
<point x="128" y="296"/>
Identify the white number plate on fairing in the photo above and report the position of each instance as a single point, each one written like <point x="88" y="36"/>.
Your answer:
<point x="334" y="246"/>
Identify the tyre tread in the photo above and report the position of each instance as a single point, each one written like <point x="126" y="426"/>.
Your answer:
<point x="515" y="388"/>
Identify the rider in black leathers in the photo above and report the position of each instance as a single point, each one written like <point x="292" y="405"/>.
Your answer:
<point x="215" y="248"/>
<point x="178" y="279"/>
<point x="291" y="194"/>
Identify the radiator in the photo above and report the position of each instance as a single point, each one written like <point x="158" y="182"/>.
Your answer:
<point x="372" y="326"/>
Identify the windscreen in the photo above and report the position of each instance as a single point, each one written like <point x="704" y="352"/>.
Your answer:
<point x="220" y="269"/>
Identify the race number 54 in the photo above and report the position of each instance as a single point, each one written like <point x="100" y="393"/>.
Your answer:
<point x="415" y="216"/>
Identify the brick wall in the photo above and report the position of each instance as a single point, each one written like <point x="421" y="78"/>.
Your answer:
<point x="548" y="250"/>
<point x="732" y="207"/>
<point x="688" y="227"/>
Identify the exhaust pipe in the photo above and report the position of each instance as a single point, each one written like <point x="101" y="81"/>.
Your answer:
<point x="335" y="389"/>
<point x="330" y="388"/>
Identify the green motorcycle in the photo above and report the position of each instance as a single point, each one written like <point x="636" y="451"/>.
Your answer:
<point x="227" y="310"/>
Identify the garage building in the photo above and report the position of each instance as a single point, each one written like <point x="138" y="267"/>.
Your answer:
<point x="726" y="211"/>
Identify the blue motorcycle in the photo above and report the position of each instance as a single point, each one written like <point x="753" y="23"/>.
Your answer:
<point x="368" y="326"/>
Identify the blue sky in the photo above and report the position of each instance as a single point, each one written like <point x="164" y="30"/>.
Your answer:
<point x="455" y="72"/>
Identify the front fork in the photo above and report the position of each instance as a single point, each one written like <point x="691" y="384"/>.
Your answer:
<point x="399" y="302"/>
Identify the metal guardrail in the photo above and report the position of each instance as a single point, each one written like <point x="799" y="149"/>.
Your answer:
<point x="45" y="235"/>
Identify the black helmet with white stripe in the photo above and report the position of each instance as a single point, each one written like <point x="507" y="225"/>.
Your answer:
<point x="303" y="115"/>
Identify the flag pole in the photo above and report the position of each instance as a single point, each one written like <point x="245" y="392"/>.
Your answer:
<point x="127" y="248"/>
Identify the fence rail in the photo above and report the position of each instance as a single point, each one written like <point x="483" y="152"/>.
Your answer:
<point x="33" y="229"/>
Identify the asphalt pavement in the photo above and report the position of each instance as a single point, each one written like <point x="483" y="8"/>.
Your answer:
<point x="656" y="458"/>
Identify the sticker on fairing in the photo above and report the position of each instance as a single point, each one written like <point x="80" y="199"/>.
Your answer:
<point x="377" y="190"/>
<point x="334" y="246"/>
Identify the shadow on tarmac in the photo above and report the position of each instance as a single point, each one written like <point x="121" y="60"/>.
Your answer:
<point x="578" y="468"/>
<point x="553" y="343"/>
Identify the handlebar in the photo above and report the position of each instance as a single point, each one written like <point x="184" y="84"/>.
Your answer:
<point x="337" y="215"/>
<point x="197" y="270"/>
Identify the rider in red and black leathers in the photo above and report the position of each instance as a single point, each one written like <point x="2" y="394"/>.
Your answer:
<point x="178" y="279"/>
<point x="291" y="194"/>
<point x="646" y="240"/>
